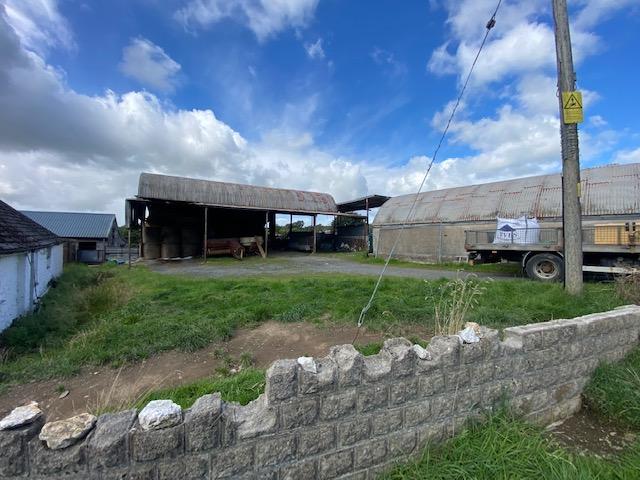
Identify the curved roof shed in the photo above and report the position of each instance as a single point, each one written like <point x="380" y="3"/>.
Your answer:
<point x="608" y="190"/>
<point x="232" y="195"/>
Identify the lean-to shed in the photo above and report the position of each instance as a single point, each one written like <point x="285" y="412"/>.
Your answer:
<point x="436" y="228"/>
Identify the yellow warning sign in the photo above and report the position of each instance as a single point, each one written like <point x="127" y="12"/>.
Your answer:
<point x="572" y="107"/>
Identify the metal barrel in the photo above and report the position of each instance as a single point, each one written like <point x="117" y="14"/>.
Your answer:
<point x="151" y="238"/>
<point x="171" y="242"/>
<point x="191" y="242"/>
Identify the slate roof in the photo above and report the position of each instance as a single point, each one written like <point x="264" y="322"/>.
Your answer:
<point x="18" y="233"/>
<point x="75" y="224"/>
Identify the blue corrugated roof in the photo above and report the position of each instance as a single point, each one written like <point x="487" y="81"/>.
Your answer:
<point x="74" y="224"/>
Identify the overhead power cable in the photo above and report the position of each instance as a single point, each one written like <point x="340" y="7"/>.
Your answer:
<point x="489" y="25"/>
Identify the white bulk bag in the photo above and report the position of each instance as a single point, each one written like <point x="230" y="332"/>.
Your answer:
<point x="521" y="230"/>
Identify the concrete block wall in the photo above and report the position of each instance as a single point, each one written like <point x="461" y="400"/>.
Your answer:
<point x="354" y="417"/>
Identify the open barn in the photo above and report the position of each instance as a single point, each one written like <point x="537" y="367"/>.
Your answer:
<point x="186" y="217"/>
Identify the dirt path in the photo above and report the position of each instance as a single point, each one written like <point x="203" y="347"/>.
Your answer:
<point x="290" y="263"/>
<point x="587" y="433"/>
<point x="91" y="389"/>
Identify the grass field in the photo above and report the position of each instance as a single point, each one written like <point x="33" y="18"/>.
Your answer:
<point x="111" y="315"/>
<point x="510" y="268"/>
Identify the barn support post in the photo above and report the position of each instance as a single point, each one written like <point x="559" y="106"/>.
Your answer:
<point x="315" y="234"/>
<point x="141" y="242"/>
<point x="129" y="234"/>
<point x="366" y="231"/>
<point x="290" y="225"/>
<point x="206" y="234"/>
<point x="266" y="233"/>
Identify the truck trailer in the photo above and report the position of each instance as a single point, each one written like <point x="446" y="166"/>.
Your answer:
<point x="610" y="248"/>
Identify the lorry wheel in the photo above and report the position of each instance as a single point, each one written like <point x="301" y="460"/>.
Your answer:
<point x="545" y="267"/>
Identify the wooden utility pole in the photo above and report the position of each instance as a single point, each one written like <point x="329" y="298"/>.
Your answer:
<point x="571" y="212"/>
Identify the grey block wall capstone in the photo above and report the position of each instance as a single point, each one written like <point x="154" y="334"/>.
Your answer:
<point x="352" y="419"/>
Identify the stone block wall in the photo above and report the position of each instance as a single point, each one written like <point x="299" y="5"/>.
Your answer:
<point x="353" y="417"/>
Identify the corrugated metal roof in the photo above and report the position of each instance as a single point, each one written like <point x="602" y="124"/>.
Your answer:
<point x="372" y="201"/>
<point x="18" y="233"/>
<point x="207" y="192"/>
<point x="75" y="224"/>
<point x="609" y="190"/>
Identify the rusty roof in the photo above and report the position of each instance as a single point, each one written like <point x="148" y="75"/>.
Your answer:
<point x="608" y="190"/>
<point x="232" y="195"/>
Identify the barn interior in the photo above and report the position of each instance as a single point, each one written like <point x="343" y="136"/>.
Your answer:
<point x="173" y="214"/>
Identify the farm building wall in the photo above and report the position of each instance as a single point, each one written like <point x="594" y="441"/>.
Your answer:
<point x="348" y="417"/>
<point x="85" y="250"/>
<point x="24" y="279"/>
<point x="443" y="242"/>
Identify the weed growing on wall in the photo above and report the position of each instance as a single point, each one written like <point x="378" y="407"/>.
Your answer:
<point x="453" y="301"/>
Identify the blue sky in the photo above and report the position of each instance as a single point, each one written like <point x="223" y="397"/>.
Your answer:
<point x="347" y="97"/>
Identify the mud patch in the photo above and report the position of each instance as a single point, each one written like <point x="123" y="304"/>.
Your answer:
<point x="587" y="433"/>
<point x="102" y="387"/>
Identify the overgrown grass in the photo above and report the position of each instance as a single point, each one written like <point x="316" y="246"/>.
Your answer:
<point x="80" y="295"/>
<point x="368" y="349"/>
<point x="510" y="268"/>
<point x="242" y="387"/>
<point x="506" y="448"/>
<point x="614" y="390"/>
<point x="112" y="315"/>
<point x="628" y="288"/>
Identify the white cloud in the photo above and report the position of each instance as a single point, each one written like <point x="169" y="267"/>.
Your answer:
<point x="86" y="152"/>
<point x="148" y="63"/>
<point x="517" y="72"/>
<point x="314" y="50"/>
<point x="63" y="150"/>
<point x="597" y="121"/>
<point x="521" y="42"/>
<point x="39" y="24"/>
<point x="388" y="60"/>
<point x="627" y="156"/>
<point x="596" y="11"/>
<point x="264" y="17"/>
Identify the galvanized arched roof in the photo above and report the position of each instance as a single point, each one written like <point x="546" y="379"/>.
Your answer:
<point x="609" y="190"/>
<point x="207" y="192"/>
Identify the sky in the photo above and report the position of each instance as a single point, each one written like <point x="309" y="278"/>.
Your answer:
<point x="344" y="97"/>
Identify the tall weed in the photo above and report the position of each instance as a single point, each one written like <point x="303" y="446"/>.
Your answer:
<point x="453" y="301"/>
<point x="628" y="288"/>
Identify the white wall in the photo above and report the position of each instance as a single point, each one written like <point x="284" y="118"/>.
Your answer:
<point x="24" y="279"/>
